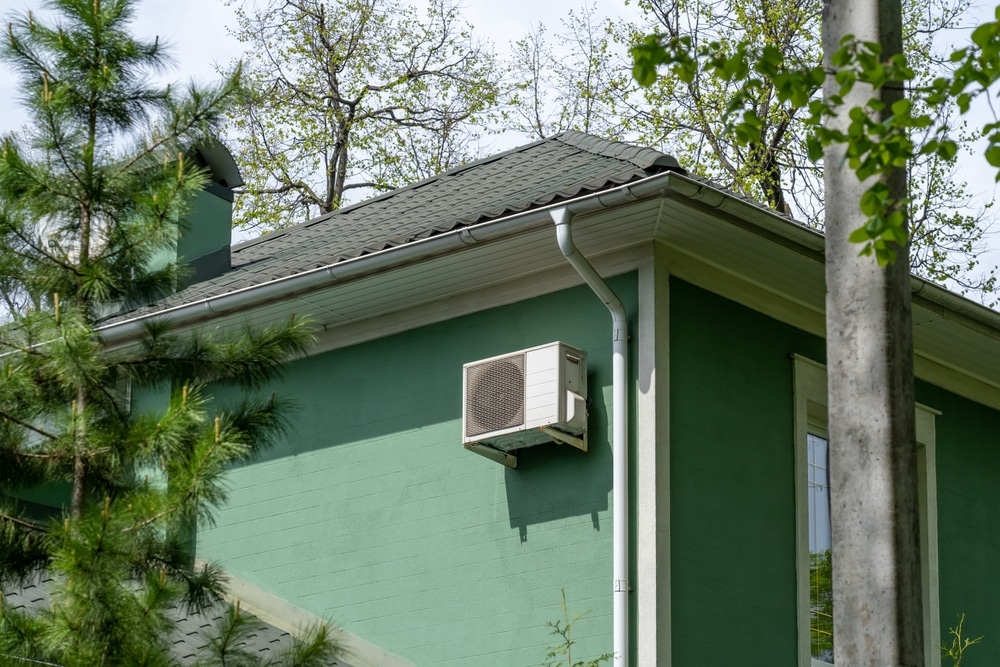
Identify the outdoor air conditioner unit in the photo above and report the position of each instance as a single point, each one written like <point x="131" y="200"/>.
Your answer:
<point x="525" y="398"/>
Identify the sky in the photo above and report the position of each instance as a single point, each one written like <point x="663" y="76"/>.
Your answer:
<point x="197" y="32"/>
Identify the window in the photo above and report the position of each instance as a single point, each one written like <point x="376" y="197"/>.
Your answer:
<point x="812" y="500"/>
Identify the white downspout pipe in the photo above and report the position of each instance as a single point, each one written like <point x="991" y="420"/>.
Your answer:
<point x="619" y="426"/>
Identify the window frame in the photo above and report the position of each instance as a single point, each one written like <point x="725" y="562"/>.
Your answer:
<point x="810" y="417"/>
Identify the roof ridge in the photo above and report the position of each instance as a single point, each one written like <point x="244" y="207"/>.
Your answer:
<point x="649" y="159"/>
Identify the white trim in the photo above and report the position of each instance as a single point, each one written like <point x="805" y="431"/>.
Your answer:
<point x="809" y="379"/>
<point x="929" y="583"/>
<point x="737" y="287"/>
<point x="810" y="318"/>
<point x="493" y="296"/>
<point x="652" y="464"/>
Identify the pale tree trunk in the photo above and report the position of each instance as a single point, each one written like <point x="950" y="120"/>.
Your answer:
<point x="873" y="461"/>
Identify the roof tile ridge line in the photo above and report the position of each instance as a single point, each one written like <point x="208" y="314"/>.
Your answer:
<point x="391" y="193"/>
<point x="613" y="149"/>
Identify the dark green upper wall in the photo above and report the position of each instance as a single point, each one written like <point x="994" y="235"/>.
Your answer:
<point x="968" y="487"/>
<point x="732" y="489"/>
<point x="731" y="472"/>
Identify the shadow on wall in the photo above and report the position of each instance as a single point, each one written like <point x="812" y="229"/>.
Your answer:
<point x="553" y="482"/>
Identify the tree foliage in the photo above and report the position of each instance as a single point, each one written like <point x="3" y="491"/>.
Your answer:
<point x="912" y="130"/>
<point x="697" y="118"/>
<point x="575" y="81"/>
<point x="869" y="132"/>
<point x="90" y="192"/>
<point x="349" y="95"/>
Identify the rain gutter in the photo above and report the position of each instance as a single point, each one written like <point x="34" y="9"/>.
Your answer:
<point x="288" y="287"/>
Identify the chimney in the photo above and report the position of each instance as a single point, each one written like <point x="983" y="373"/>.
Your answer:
<point x="204" y="242"/>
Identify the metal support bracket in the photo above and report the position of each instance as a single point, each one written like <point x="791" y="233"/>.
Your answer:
<point x="502" y="458"/>
<point x="565" y="438"/>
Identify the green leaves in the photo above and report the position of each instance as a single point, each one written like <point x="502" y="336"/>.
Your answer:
<point x="880" y="137"/>
<point x="348" y="97"/>
<point x="647" y="57"/>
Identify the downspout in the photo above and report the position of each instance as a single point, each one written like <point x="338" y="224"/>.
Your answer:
<point x="619" y="426"/>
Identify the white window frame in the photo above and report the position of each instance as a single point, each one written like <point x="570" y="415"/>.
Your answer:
<point x="810" y="416"/>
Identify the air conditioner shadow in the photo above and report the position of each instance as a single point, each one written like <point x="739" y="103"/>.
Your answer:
<point x="553" y="482"/>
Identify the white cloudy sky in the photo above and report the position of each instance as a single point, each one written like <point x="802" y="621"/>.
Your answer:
<point x="197" y="31"/>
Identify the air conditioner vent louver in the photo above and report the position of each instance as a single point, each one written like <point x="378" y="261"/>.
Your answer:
<point x="525" y="398"/>
<point x="494" y="396"/>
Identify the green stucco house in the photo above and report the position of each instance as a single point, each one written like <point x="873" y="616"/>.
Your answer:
<point x="379" y="513"/>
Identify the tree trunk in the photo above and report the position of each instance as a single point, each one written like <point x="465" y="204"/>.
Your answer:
<point x="79" y="456"/>
<point x="874" y="487"/>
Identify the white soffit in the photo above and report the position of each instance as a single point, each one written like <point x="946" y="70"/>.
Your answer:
<point x="715" y="239"/>
<point x="957" y="341"/>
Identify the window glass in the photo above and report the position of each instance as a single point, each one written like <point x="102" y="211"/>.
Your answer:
<point x="813" y="536"/>
<point x="820" y="586"/>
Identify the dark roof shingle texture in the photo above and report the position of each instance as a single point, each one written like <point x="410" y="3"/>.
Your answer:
<point x="541" y="173"/>
<point x="191" y="631"/>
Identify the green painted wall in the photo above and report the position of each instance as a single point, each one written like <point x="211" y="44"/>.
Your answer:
<point x="208" y="223"/>
<point x="204" y="237"/>
<point x="372" y="514"/>
<point x="732" y="497"/>
<point x="968" y="474"/>
<point x="731" y="475"/>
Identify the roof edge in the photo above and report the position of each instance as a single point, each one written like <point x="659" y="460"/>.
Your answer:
<point x="648" y="159"/>
<point x="125" y="331"/>
<point x="813" y="243"/>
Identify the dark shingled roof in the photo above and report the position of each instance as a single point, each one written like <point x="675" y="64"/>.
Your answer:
<point x="191" y="630"/>
<point x="545" y="172"/>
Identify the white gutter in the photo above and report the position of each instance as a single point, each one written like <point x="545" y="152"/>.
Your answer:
<point x="619" y="426"/>
<point x="254" y="296"/>
<point x="780" y="229"/>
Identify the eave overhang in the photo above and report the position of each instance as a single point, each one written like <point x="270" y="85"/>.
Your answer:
<point x="710" y="237"/>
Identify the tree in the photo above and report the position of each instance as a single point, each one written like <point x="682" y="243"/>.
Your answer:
<point x="866" y="132"/>
<point x="578" y="86"/>
<point x="89" y="194"/>
<point x="877" y="606"/>
<point x="689" y="119"/>
<point x="947" y="225"/>
<point x="349" y="95"/>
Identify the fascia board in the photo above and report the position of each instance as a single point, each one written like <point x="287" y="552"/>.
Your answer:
<point x="290" y="287"/>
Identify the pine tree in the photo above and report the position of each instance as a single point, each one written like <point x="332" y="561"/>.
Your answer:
<point x="90" y="192"/>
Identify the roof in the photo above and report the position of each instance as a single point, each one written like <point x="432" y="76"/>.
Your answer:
<point x="545" y="172"/>
<point x="192" y="630"/>
<point x="483" y="232"/>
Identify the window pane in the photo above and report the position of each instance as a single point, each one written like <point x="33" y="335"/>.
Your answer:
<point x="820" y="586"/>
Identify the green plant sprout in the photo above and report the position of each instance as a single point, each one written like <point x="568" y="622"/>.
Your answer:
<point x="959" y="644"/>
<point x="561" y="653"/>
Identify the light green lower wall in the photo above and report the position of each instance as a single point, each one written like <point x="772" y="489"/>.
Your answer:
<point x="372" y="514"/>
<point x="732" y="501"/>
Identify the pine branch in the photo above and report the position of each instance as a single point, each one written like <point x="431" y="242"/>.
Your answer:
<point x="30" y="427"/>
<point x="21" y="522"/>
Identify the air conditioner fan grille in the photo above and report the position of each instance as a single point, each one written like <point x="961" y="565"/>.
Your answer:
<point x="494" y="395"/>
